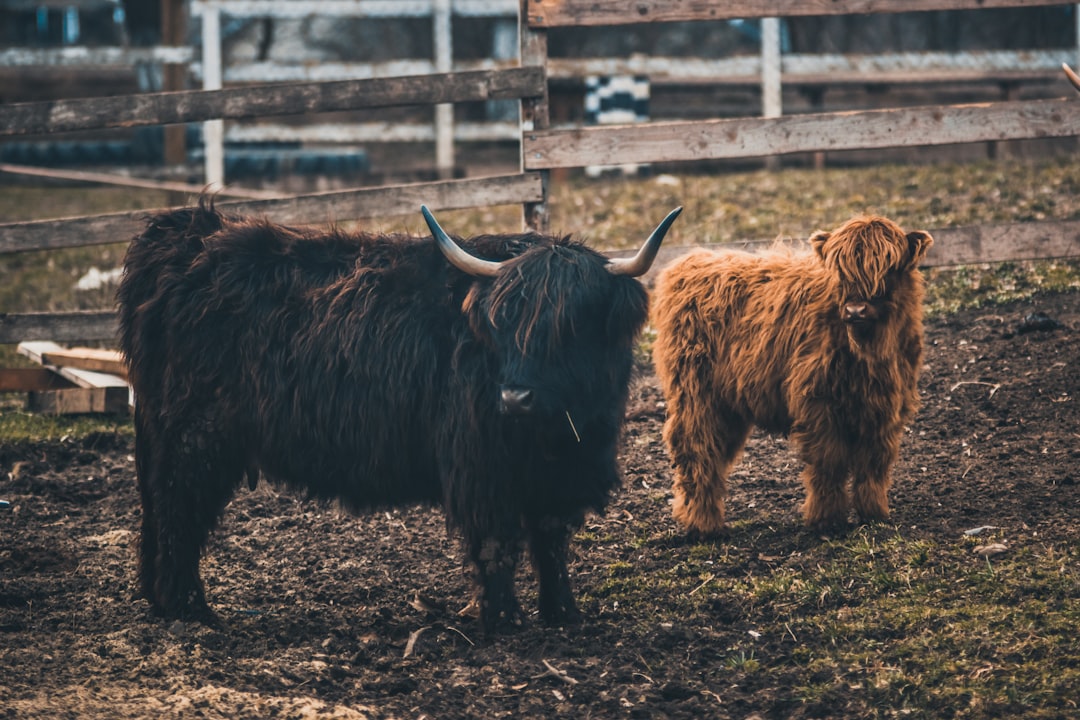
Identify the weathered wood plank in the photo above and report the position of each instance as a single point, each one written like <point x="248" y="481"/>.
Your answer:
<point x="829" y="68"/>
<point x="127" y="181"/>
<point x="267" y="100"/>
<point x="72" y="232"/>
<point x="98" y="360"/>
<point x="394" y="200"/>
<point x="64" y="327"/>
<point x="57" y="4"/>
<point x="277" y="71"/>
<point x="101" y="391"/>
<point x="90" y="58"/>
<point x="35" y="349"/>
<point x="561" y="13"/>
<point x="90" y="378"/>
<point x="94" y="391"/>
<point x="318" y="208"/>
<point x="1006" y="242"/>
<point x="299" y="9"/>
<point x="71" y="401"/>
<point x="31" y="380"/>
<point x="758" y="137"/>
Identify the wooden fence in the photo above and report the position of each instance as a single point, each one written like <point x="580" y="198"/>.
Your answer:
<point x="771" y="69"/>
<point x="440" y="11"/>
<point x="544" y="147"/>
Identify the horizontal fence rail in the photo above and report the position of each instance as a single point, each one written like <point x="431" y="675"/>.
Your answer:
<point x="76" y="326"/>
<point x="828" y="68"/>
<point x="127" y="181"/>
<point x="262" y="72"/>
<point x="91" y="58"/>
<point x="563" y="13"/>
<point x="758" y="137"/>
<point x="353" y="8"/>
<point x="318" y="208"/>
<point x="267" y="100"/>
<point x="831" y="68"/>
<point x="1044" y="240"/>
<point x="78" y="4"/>
<point x="369" y="132"/>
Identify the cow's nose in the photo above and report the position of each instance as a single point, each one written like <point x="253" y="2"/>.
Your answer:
<point x="517" y="400"/>
<point x="856" y="311"/>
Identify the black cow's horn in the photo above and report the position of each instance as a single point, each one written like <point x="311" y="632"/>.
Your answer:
<point x="457" y="256"/>
<point x="640" y="263"/>
<point x="1073" y="77"/>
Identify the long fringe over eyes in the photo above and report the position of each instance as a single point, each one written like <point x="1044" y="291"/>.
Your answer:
<point x="863" y="251"/>
<point x="558" y="286"/>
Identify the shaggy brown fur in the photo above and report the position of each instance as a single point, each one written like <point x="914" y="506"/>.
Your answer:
<point x="824" y="346"/>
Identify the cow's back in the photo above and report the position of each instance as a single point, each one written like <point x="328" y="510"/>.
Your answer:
<point x="746" y="323"/>
<point x="319" y="356"/>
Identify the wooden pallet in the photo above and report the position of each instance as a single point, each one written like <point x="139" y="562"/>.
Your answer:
<point x="71" y="380"/>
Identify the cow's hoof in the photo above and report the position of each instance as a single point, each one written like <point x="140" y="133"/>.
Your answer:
<point x="561" y="616"/>
<point x="503" y="622"/>
<point x="195" y="612"/>
<point x="191" y="607"/>
<point x="830" y="527"/>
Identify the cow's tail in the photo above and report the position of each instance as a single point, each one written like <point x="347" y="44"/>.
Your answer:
<point x="154" y="271"/>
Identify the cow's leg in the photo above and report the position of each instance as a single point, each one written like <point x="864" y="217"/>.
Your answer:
<point x="549" y="540"/>
<point x="494" y="559"/>
<point x="185" y="481"/>
<point x="871" y="498"/>
<point x="824" y="479"/>
<point x="704" y="441"/>
<point x="872" y="478"/>
<point x="826" y="500"/>
<point x="146" y="464"/>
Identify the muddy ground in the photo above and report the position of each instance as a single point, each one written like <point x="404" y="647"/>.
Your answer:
<point x="327" y="615"/>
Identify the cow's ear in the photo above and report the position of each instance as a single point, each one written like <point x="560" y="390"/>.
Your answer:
<point x="475" y="310"/>
<point x="817" y="241"/>
<point x="919" y="241"/>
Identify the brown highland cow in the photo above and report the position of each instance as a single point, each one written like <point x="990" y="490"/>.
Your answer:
<point x="824" y="346"/>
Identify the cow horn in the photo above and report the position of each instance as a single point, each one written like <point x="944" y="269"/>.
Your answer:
<point x="640" y="263"/>
<point x="1073" y="77"/>
<point x="457" y="256"/>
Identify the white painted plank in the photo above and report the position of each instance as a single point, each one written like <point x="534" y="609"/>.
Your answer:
<point x="37" y="349"/>
<point x="355" y="133"/>
<point x="352" y="8"/>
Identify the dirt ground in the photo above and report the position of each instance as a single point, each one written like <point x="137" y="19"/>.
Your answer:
<point x="331" y="616"/>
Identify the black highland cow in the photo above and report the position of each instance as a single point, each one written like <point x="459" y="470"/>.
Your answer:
<point x="380" y="370"/>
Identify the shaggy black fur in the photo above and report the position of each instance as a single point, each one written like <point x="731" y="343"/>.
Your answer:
<point x="367" y="368"/>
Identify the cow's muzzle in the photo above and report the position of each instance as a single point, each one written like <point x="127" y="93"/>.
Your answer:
<point x="516" y="400"/>
<point x="858" y="313"/>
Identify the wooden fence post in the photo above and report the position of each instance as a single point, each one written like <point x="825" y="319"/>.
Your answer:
<point x="213" y="130"/>
<point x="771" y="91"/>
<point x="173" y="33"/>
<point x="444" y="113"/>
<point x="534" y="111"/>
